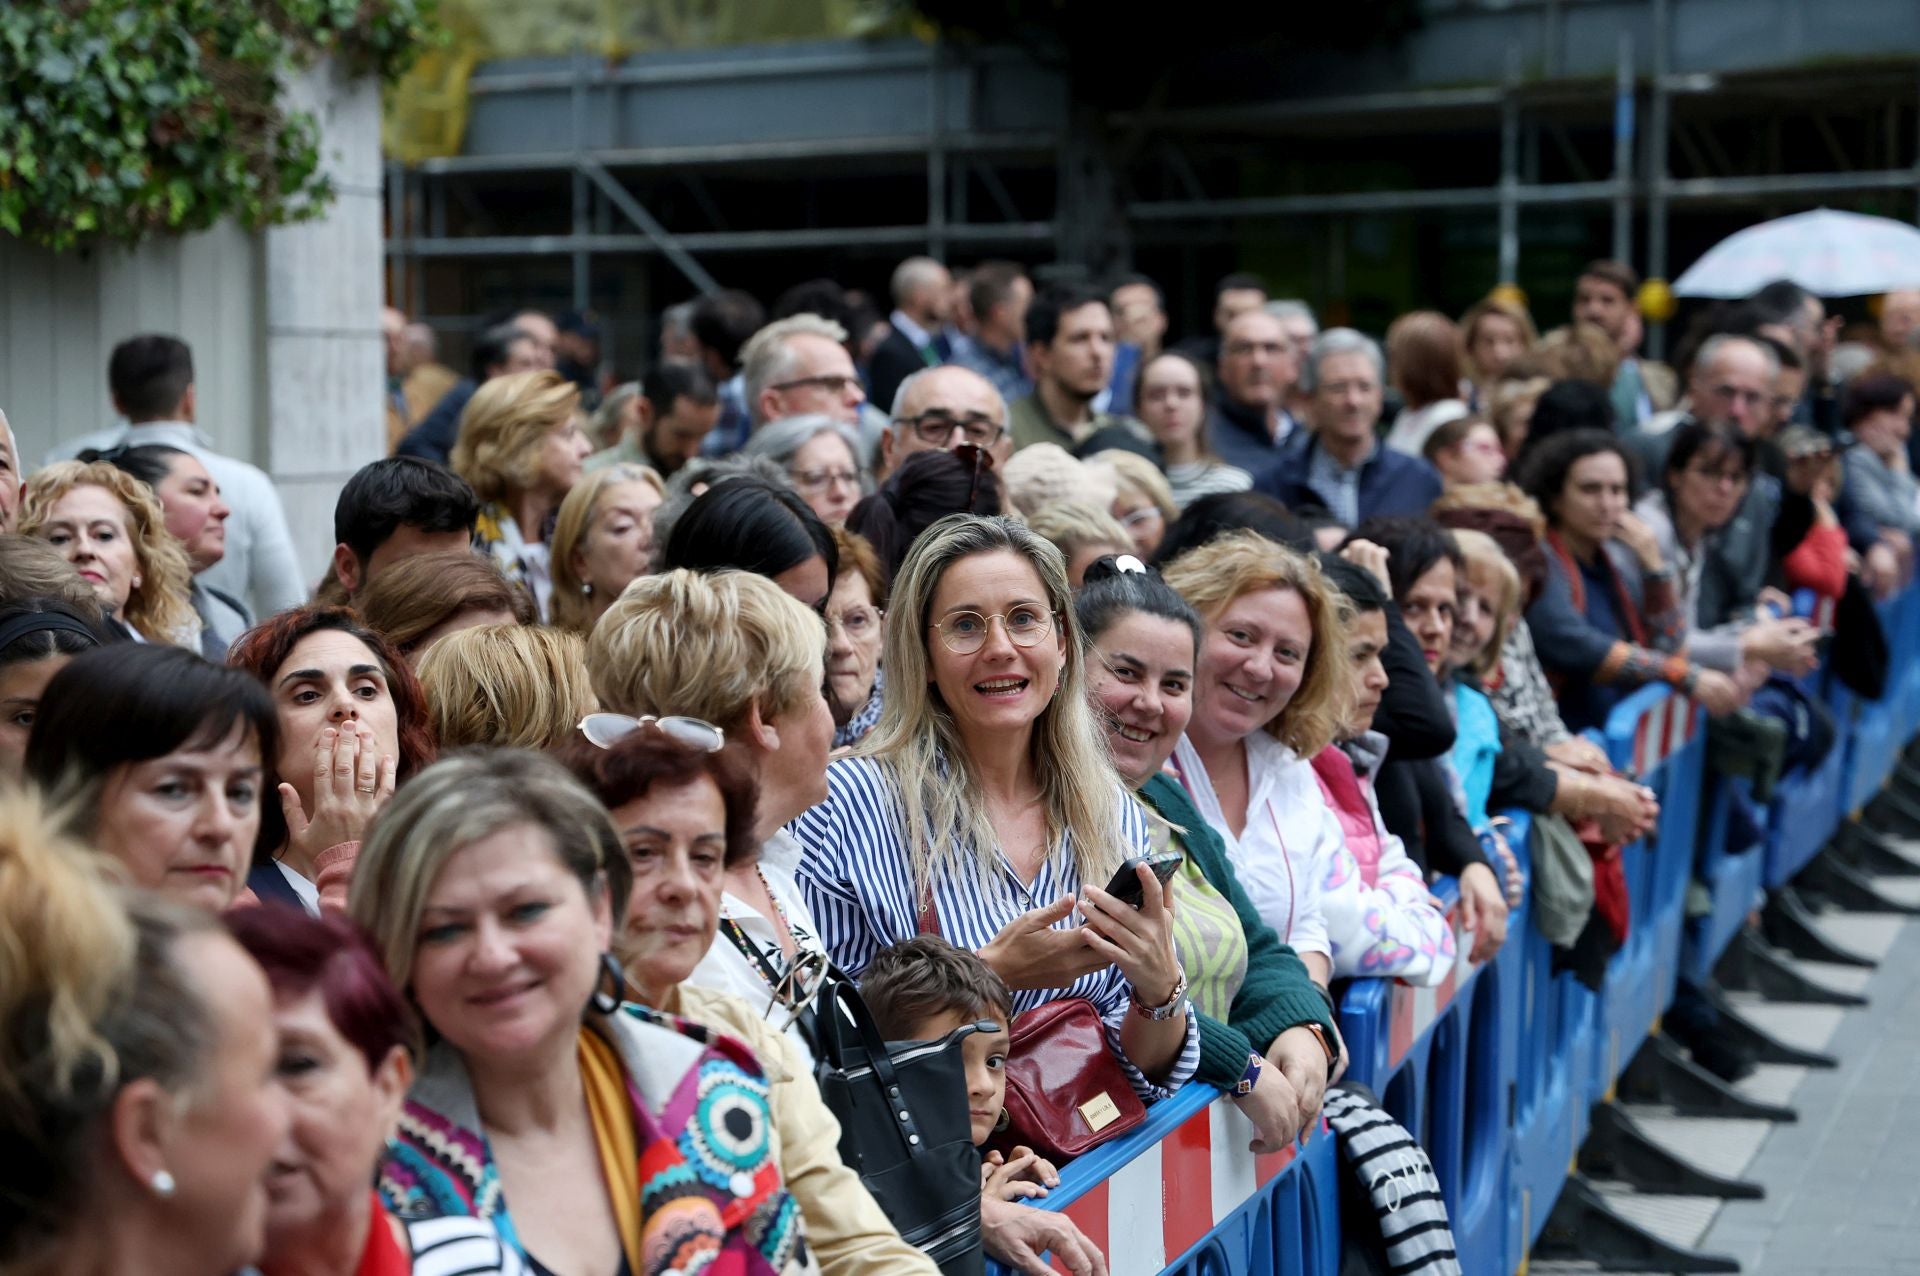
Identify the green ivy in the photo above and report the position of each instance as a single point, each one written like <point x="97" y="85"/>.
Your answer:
<point x="119" y="118"/>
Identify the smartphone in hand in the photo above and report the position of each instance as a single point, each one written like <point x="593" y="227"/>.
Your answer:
<point x="1125" y="885"/>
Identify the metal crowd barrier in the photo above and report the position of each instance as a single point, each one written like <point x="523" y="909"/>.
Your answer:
<point x="1496" y="1069"/>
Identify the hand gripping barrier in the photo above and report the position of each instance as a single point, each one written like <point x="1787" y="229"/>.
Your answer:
<point x="1496" y="1068"/>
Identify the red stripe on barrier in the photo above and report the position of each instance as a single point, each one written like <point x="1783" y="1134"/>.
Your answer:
<point x="1186" y="1185"/>
<point x="1268" y="1168"/>
<point x="1089" y="1214"/>
<point x="1399" y="1023"/>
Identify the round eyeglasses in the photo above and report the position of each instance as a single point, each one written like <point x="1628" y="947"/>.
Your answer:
<point x="965" y="632"/>
<point x="609" y="729"/>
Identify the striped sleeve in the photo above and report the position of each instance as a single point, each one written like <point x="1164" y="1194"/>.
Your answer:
<point x="844" y="836"/>
<point x="461" y="1246"/>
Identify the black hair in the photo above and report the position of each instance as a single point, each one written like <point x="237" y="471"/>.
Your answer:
<point x="1238" y="281"/>
<point x="1543" y="470"/>
<point x="823" y="297"/>
<point x="752" y="525"/>
<point x="676" y="379"/>
<point x="1695" y="437"/>
<point x="1055" y="300"/>
<point x="1876" y="393"/>
<point x="1414" y="547"/>
<point x="1566" y="406"/>
<point x="401" y="491"/>
<point x="493" y="348"/>
<point x="1361" y="586"/>
<point x="1220" y="512"/>
<point x="1788" y="357"/>
<point x="1137" y="280"/>
<point x="148" y="375"/>
<point x="35" y="628"/>
<point x="1780" y="301"/>
<point x="1108" y="594"/>
<point x="133" y="702"/>
<point x="723" y="322"/>
<point x="150" y="462"/>
<point x="922" y="490"/>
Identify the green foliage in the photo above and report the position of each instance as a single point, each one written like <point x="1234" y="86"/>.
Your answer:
<point x="119" y="118"/>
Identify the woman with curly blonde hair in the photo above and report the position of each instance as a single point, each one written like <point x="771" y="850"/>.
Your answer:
<point x="983" y="804"/>
<point x="110" y="526"/>
<point x="521" y="448"/>
<point x="1274" y="686"/>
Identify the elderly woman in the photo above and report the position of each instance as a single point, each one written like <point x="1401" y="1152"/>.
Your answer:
<point x="984" y="804"/>
<point x="1256" y="1002"/>
<point x="420" y="600"/>
<point x="733" y="650"/>
<point x="137" y="1051"/>
<point x="755" y="526"/>
<point x="521" y="449"/>
<point x="856" y="610"/>
<point x="157" y="758"/>
<point x="1609" y="618"/>
<point x="38" y="638"/>
<point x="352" y="725"/>
<point x="111" y="527"/>
<point x="1276" y="686"/>
<point x="518" y="686"/>
<point x="602" y="539"/>
<point x="684" y="810"/>
<point x="1171" y="398"/>
<point x="346" y="1057"/>
<point x="597" y="1138"/>
<point x="821" y="457"/>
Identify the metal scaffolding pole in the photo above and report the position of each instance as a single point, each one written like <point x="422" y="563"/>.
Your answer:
<point x="582" y="259"/>
<point x="1510" y="172"/>
<point x="1623" y="151"/>
<point x="1660" y="126"/>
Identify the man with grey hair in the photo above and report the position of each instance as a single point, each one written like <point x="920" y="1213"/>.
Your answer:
<point x="1340" y="463"/>
<point x="1249" y="425"/>
<point x="922" y="301"/>
<point x="939" y="409"/>
<point x="1731" y="381"/>
<point x="797" y="366"/>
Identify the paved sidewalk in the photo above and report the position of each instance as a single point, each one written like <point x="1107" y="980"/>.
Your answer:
<point x="1843" y="1185"/>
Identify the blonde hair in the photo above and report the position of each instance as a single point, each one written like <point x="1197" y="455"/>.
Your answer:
<point x="453" y="804"/>
<point x="709" y="645"/>
<point x="1071" y="527"/>
<point x="1484" y="555"/>
<point x="521" y="686"/>
<point x="1500" y="307"/>
<point x="578" y="514"/>
<point x="1135" y="475"/>
<point x="160" y="608"/>
<point x="917" y="740"/>
<point x="501" y="430"/>
<point x="1510" y="395"/>
<point x="31" y="568"/>
<point x="1043" y="474"/>
<point x="90" y="999"/>
<point x="1492" y="496"/>
<point x="1215" y="574"/>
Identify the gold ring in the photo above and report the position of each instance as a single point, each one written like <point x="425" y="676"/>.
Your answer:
<point x="372" y="790"/>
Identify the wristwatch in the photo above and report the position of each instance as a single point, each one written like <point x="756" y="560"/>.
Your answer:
<point x="1244" y="1086"/>
<point x="1175" y="1004"/>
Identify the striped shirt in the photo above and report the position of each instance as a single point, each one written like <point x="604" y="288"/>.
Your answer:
<point x="460" y="1247"/>
<point x="857" y="879"/>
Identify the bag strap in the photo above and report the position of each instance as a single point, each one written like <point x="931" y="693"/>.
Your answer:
<point x="928" y="922"/>
<point x="841" y="994"/>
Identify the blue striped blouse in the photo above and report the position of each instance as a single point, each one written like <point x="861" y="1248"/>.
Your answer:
<point x="857" y="880"/>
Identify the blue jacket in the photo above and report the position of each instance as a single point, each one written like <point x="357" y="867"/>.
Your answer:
<point x="1391" y="483"/>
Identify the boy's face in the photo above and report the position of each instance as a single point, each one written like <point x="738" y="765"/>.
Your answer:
<point x="986" y="1055"/>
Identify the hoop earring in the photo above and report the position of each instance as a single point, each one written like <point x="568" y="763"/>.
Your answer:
<point x="1001" y="1122"/>
<point x="603" y="1001"/>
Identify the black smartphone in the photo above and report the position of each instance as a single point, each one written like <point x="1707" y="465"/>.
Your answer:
<point x="1125" y="885"/>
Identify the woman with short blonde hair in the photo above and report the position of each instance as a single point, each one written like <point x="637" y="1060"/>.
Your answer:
<point x="984" y="802"/>
<point x="745" y="661"/>
<point x="521" y="448"/>
<point x="1276" y="686"/>
<point x="602" y="540"/>
<point x="110" y="526"/>
<point x="1143" y="500"/>
<point x="1489" y="571"/>
<point x="1082" y="533"/>
<point x="518" y="686"/>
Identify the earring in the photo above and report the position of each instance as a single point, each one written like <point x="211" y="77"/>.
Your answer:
<point x="1001" y="1122"/>
<point x="134" y="583"/>
<point x="586" y="588"/>
<point x="606" y="1002"/>
<point x="162" y="1184"/>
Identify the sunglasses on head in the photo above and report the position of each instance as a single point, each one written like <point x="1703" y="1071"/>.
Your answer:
<point x="609" y="729"/>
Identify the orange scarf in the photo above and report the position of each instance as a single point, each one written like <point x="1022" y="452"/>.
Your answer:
<point x="611" y="1112"/>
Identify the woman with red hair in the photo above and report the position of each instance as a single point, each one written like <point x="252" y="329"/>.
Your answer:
<point x="347" y="1051"/>
<point x="353" y="724"/>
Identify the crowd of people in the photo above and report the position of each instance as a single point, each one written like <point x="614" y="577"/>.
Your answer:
<point x="470" y="909"/>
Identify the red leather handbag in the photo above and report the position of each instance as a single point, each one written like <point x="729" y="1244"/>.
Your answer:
<point x="1066" y="1093"/>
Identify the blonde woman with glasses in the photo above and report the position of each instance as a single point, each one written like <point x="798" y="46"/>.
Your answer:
<point x="983" y="803"/>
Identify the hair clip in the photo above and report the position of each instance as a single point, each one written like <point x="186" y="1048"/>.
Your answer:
<point x="1128" y="565"/>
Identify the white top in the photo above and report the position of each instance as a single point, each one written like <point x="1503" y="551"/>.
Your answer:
<point x="308" y="892"/>
<point x="1285" y="850"/>
<point x="726" y="969"/>
<point x="1413" y="426"/>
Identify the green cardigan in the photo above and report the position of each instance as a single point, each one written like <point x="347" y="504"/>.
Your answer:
<point x="1278" y="994"/>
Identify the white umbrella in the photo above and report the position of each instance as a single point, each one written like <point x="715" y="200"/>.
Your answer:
<point x="1829" y="253"/>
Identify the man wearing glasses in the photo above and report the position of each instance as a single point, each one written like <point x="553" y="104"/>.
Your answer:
<point x="939" y="409"/>
<point x="798" y="366"/>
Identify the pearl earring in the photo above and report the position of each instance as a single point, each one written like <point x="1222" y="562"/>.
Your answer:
<point x="162" y="1184"/>
<point x="586" y="588"/>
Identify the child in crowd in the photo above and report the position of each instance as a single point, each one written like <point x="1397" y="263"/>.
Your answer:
<point x="923" y="988"/>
